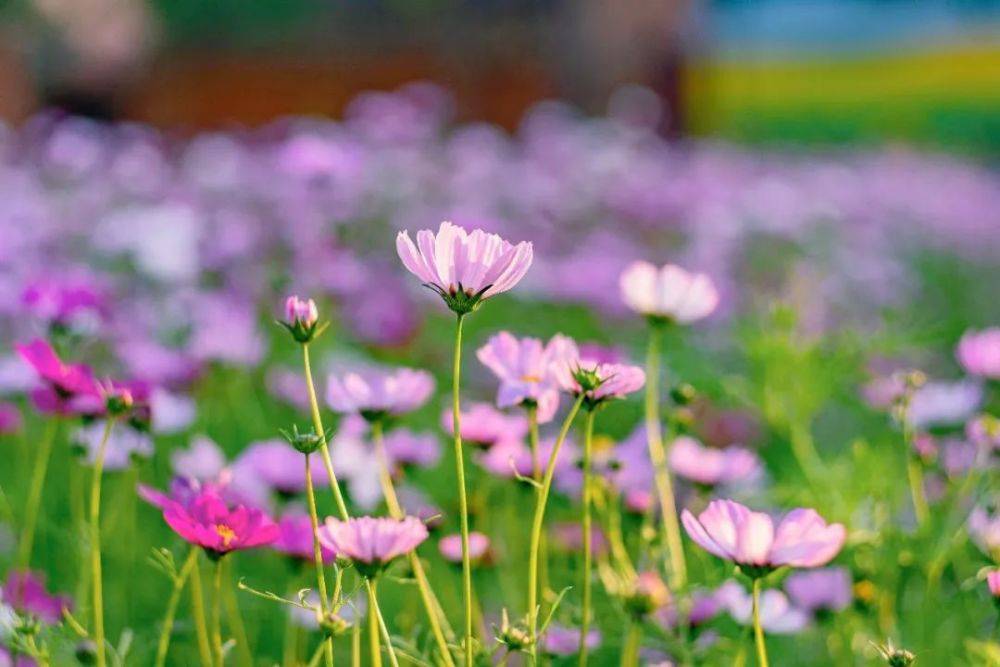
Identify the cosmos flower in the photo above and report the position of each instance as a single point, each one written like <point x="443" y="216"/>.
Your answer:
<point x="65" y="301"/>
<point x="979" y="352"/>
<point x="825" y="588"/>
<point x="464" y="268"/>
<point x="450" y="547"/>
<point x="25" y="592"/>
<point x="526" y="370"/>
<point x="125" y="444"/>
<point x="668" y="293"/>
<point x="203" y="460"/>
<point x="710" y="466"/>
<point x="561" y="640"/>
<point x="372" y="543"/>
<point x="406" y="448"/>
<point x="295" y="538"/>
<point x="64" y="385"/>
<point x="274" y="465"/>
<point x="777" y="614"/>
<point x="376" y="393"/>
<point x="301" y="319"/>
<point x="484" y="425"/>
<point x="210" y="523"/>
<point x="512" y="458"/>
<point x="599" y="382"/>
<point x="733" y="532"/>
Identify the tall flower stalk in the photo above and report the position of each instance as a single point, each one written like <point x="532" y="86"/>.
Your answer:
<point x="217" y="650"/>
<point x="588" y="491"/>
<point x="318" y="559"/>
<point x="463" y="503"/>
<point x="175" y="595"/>
<point x="758" y="630"/>
<point x="97" y="586"/>
<point x="198" y="613"/>
<point x="35" y="494"/>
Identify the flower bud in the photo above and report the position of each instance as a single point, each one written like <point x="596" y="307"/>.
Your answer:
<point x="514" y="637"/>
<point x="301" y="319"/>
<point x="895" y="657"/>
<point x="118" y="401"/>
<point x="86" y="652"/>
<point x="334" y="625"/>
<point x="306" y="442"/>
<point x="648" y="593"/>
<point x="683" y="394"/>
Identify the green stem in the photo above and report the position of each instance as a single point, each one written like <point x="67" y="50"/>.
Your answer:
<point x="758" y="631"/>
<point x="916" y="476"/>
<point x="633" y="640"/>
<point x="175" y="597"/>
<point x="658" y="457"/>
<point x="35" y="495"/>
<point x="434" y="614"/>
<point x="318" y="557"/>
<point x="217" y="614"/>
<point x="383" y="629"/>
<point x="97" y="587"/>
<point x="536" y="464"/>
<point x="536" y="529"/>
<point x="463" y="502"/>
<point x="318" y="426"/>
<point x="588" y="445"/>
<point x="356" y="644"/>
<point x="235" y="620"/>
<point x="374" y="648"/>
<point x="198" y="612"/>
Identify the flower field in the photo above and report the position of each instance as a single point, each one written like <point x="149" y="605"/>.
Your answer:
<point x="634" y="403"/>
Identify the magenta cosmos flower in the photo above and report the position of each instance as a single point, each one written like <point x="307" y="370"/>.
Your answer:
<point x="710" y="466"/>
<point x="206" y="520"/>
<point x="668" y="293"/>
<point x="65" y="386"/>
<point x="376" y="393"/>
<point x="25" y="592"/>
<point x="484" y="425"/>
<point x="464" y="268"/>
<point x="979" y="352"/>
<point x="372" y="543"/>
<point x="734" y="532"/>
<point x="450" y="547"/>
<point x="526" y="370"/>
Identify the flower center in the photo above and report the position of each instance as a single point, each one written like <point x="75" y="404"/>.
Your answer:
<point x="531" y="378"/>
<point x="226" y="533"/>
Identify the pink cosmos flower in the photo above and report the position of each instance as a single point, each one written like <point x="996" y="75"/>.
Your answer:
<point x="826" y="588"/>
<point x="376" y="393"/>
<point x="484" y="425"/>
<point x="705" y="605"/>
<point x="599" y="382"/>
<point x="561" y="640"/>
<point x="64" y="385"/>
<point x="734" y="532"/>
<point x="406" y="448"/>
<point x="210" y="523"/>
<point x="979" y="352"/>
<point x="464" y="268"/>
<point x="274" y="465"/>
<point x="10" y="418"/>
<point x="525" y="369"/>
<point x="372" y="543"/>
<point x="203" y="460"/>
<point x="993" y="582"/>
<point x="510" y="458"/>
<point x="65" y="301"/>
<point x="295" y="538"/>
<point x="450" y="547"/>
<point x="25" y="592"/>
<point x="669" y="292"/>
<point x="777" y="615"/>
<point x="709" y="466"/>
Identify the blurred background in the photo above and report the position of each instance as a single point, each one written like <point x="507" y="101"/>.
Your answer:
<point x="926" y="71"/>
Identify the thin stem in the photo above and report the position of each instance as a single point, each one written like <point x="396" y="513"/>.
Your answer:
<point x="633" y="640"/>
<point x="318" y="557"/>
<point x="95" y="544"/>
<point x="35" y="495"/>
<point x="462" y="500"/>
<point x="198" y="612"/>
<point x="758" y="631"/>
<point x="356" y="644"/>
<point x="658" y="456"/>
<point x="217" y="614"/>
<point x="430" y="603"/>
<point x="175" y="597"/>
<point x="536" y="529"/>
<point x="588" y="445"/>
<point x="383" y="629"/>
<point x="914" y="472"/>
<point x="235" y="620"/>
<point x="536" y="464"/>
<point x="318" y="426"/>
<point x="374" y="648"/>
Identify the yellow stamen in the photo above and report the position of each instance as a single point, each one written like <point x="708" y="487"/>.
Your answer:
<point x="226" y="533"/>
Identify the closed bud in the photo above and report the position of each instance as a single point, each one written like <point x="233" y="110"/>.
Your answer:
<point x="895" y="657"/>
<point x="683" y="394"/>
<point x="334" y="625"/>
<point x="306" y="442"/>
<point x="301" y="319"/>
<point x="515" y="637"/>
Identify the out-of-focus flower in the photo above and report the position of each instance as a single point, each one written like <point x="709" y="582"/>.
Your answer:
<point x="376" y="393"/>
<point x="25" y="592"/>
<point x="984" y="431"/>
<point x="647" y="594"/>
<point x="979" y="352"/>
<point x="512" y="458"/>
<point x="705" y="605"/>
<point x="301" y="319"/>
<point x="274" y="465"/>
<point x="288" y="386"/>
<point x="827" y="588"/>
<point x="709" y="466"/>
<point x="993" y="582"/>
<point x="406" y="448"/>
<point x="598" y="382"/>
<point x="464" y="268"/>
<point x="65" y="385"/>
<point x="171" y="413"/>
<point x="561" y="640"/>
<point x="734" y="532"/>
<point x="203" y="460"/>
<point x="124" y="444"/>
<point x="450" y="547"/>
<point x="668" y="293"/>
<point x="568" y="537"/>
<point x="777" y="615"/>
<point x="225" y="329"/>
<point x="210" y="523"/>
<point x="984" y="529"/>
<point x="295" y="538"/>
<point x="10" y="418"/>
<point x="72" y="302"/>
<point x="944" y="403"/>
<point x="525" y="368"/>
<point x="372" y="543"/>
<point x="484" y="425"/>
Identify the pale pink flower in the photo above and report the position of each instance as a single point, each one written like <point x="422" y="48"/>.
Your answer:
<point x="826" y="588"/>
<point x="777" y="615"/>
<point x="734" y="532"/>
<point x="484" y="425"/>
<point x="300" y="311"/>
<point x="993" y="582"/>
<point x="450" y="547"/>
<point x="577" y="374"/>
<point x="465" y="268"/>
<point x="375" y="393"/>
<point x="560" y="640"/>
<point x="372" y="543"/>
<point x="979" y="352"/>
<point x="708" y="465"/>
<point x="525" y="368"/>
<point x="669" y="292"/>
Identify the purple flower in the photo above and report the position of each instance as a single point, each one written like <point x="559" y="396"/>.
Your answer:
<point x="984" y="431"/>
<point x="289" y="386"/>
<point x="484" y="425"/>
<point x="709" y="466"/>
<point x="25" y="592"/>
<point x="669" y="293"/>
<point x="406" y="448"/>
<point x="372" y="543"/>
<point x="511" y="458"/>
<point x="944" y="403"/>
<point x="704" y="607"/>
<point x="211" y="524"/>
<point x="777" y="615"/>
<point x="561" y="640"/>
<point x="10" y="418"/>
<point x="295" y="538"/>
<point x="64" y="301"/>
<point x="826" y="588"/>
<point x="124" y="444"/>
<point x="979" y="352"/>
<point x="733" y="532"/>
<point x="984" y="529"/>
<point x="376" y="393"/>
<point x="525" y="368"/>
<point x="464" y="268"/>
<point x="203" y="460"/>
<point x="450" y="547"/>
<point x="274" y="465"/>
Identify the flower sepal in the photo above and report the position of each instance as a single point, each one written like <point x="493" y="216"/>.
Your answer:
<point x="460" y="301"/>
<point x="305" y="442"/>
